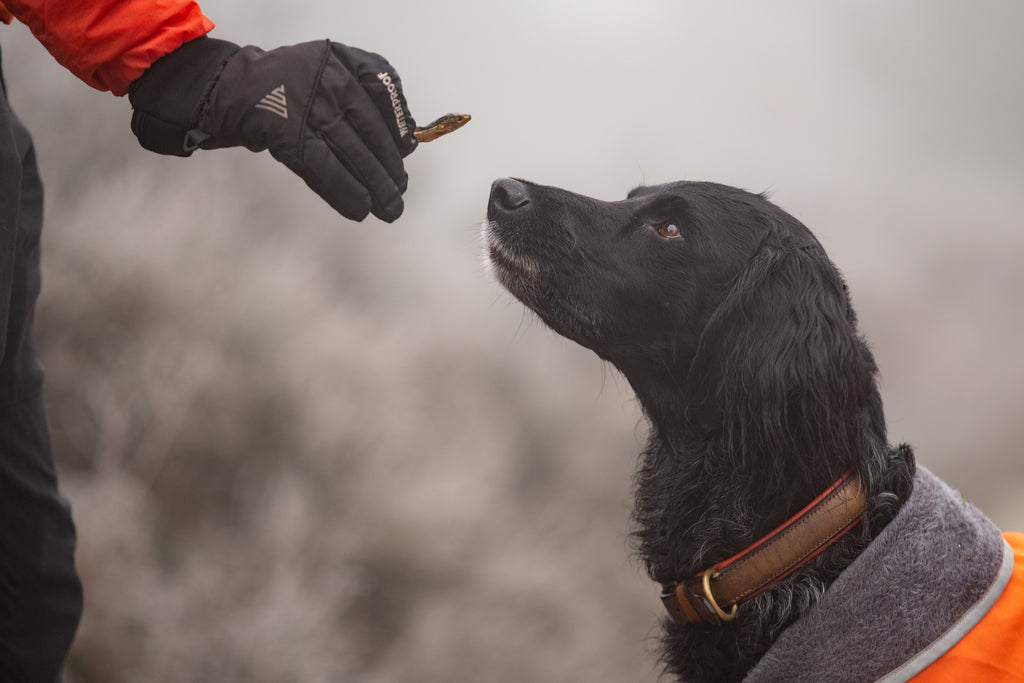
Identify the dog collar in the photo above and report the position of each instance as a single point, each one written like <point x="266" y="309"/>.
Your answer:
<point x="706" y="596"/>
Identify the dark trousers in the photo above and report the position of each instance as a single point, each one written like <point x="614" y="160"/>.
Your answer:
<point x="40" y="594"/>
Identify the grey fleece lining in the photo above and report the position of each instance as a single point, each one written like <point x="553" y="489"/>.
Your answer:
<point x="935" y="561"/>
<point x="951" y="637"/>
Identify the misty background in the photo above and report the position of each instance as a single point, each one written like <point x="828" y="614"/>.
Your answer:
<point x="303" y="449"/>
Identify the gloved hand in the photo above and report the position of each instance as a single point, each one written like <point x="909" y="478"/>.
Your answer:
<point x="335" y="115"/>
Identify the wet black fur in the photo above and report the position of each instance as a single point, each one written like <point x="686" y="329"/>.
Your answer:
<point x="741" y="344"/>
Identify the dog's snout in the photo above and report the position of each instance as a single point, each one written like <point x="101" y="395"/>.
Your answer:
<point x="507" y="195"/>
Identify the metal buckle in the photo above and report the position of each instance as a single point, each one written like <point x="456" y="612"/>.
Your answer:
<point x="711" y="599"/>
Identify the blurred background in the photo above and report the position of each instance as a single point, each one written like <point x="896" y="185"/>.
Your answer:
<point x="304" y="449"/>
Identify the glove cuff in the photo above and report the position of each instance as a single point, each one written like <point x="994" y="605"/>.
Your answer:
<point x="167" y="97"/>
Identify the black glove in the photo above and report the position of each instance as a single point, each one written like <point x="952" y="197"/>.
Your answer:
<point x="333" y="114"/>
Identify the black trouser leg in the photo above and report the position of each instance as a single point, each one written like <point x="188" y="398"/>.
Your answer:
<point x="40" y="593"/>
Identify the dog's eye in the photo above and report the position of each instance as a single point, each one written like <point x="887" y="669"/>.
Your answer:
<point x="667" y="230"/>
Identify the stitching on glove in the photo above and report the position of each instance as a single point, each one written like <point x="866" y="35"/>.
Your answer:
<point x="309" y="103"/>
<point x="203" y="106"/>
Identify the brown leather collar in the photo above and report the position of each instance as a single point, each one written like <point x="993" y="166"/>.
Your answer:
<point x="707" y="596"/>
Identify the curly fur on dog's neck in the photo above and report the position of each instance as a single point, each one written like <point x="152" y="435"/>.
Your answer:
<point x="748" y="428"/>
<point x="716" y="510"/>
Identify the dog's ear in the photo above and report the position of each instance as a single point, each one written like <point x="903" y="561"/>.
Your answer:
<point x="780" y="369"/>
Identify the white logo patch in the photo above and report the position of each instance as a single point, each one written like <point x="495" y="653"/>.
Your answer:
<point x="396" y="104"/>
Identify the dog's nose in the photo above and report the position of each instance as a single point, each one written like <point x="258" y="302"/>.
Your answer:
<point x="507" y="195"/>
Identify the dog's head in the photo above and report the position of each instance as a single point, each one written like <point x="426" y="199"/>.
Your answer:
<point x="635" y="279"/>
<point x="711" y="300"/>
<point x="626" y="278"/>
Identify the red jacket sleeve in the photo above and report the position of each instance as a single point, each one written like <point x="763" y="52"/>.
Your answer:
<point x="109" y="43"/>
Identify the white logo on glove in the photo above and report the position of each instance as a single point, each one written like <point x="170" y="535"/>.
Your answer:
<point x="275" y="101"/>
<point x="396" y="104"/>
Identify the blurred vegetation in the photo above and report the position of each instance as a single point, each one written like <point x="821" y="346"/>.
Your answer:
<point x="280" y="471"/>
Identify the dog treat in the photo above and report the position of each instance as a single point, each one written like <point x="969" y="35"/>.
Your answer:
<point x="442" y="126"/>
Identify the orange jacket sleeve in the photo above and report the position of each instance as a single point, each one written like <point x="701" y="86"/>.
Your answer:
<point x="109" y="43"/>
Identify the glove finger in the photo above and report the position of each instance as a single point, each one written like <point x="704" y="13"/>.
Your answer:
<point x="350" y="149"/>
<point x="325" y="175"/>
<point x="373" y="131"/>
<point x="383" y="85"/>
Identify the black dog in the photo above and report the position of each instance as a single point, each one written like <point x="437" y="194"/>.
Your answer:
<point x="737" y="334"/>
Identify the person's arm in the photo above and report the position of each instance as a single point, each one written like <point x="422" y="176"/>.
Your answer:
<point x="335" y="115"/>
<point x="110" y="43"/>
